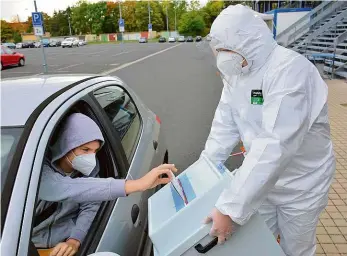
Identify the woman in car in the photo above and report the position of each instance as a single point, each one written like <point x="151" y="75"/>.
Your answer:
<point x="70" y="191"/>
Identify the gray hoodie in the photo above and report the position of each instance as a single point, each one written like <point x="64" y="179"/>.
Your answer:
<point x="78" y="196"/>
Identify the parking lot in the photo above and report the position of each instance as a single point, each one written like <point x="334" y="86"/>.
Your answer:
<point x="175" y="80"/>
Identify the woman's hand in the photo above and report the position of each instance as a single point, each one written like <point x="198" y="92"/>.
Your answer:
<point x="151" y="179"/>
<point x="68" y="248"/>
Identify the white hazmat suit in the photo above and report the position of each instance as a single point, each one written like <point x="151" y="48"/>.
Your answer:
<point x="279" y="111"/>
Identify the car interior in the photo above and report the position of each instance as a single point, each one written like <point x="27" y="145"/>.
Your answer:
<point x="108" y="168"/>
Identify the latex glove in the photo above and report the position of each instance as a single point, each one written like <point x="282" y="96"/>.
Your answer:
<point x="221" y="226"/>
<point x="68" y="248"/>
<point x="151" y="179"/>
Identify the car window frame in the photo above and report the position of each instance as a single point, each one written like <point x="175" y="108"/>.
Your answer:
<point x="106" y="208"/>
<point x="140" y="131"/>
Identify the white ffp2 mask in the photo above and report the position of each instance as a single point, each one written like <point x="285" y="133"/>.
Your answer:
<point x="230" y="64"/>
<point x="85" y="164"/>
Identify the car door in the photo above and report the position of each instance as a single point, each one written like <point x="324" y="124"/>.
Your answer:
<point x="5" y="59"/>
<point x="11" y="56"/>
<point x="128" y="219"/>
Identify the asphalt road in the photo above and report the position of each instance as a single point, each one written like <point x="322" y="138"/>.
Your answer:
<point x="177" y="81"/>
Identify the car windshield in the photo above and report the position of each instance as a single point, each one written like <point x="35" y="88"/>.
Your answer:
<point x="68" y="39"/>
<point x="9" y="141"/>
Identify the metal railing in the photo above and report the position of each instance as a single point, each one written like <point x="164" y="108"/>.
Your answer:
<point x="302" y="26"/>
<point x="340" y="17"/>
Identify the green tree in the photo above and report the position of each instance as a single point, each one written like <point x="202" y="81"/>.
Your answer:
<point x="110" y="24"/>
<point x="128" y="14"/>
<point x="30" y="25"/>
<point x="95" y="16"/>
<point x="17" y="37"/>
<point x="211" y="10"/>
<point x="6" y="31"/>
<point x="191" y="23"/>
<point x="79" y="18"/>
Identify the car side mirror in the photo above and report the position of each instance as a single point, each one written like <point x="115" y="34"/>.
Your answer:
<point x="13" y="52"/>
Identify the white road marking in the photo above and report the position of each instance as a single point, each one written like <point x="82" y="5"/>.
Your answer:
<point x="120" y="53"/>
<point x="70" y="66"/>
<point x="107" y="72"/>
<point x="19" y="72"/>
<point x="114" y="64"/>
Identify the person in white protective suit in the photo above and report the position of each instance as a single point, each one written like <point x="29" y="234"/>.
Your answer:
<point x="275" y="101"/>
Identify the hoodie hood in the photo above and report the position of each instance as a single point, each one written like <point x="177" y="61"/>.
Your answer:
<point x="240" y="29"/>
<point x="78" y="129"/>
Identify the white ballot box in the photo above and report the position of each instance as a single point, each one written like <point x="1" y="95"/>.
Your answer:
<point x="176" y="224"/>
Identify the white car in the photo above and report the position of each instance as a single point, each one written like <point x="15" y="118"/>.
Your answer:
<point x="70" y="42"/>
<point x="19" y="45"/>
<point x="181" y="39"/>
<point x="172" y="39"/>
<point x="37" y="44"/>
<point x="81" y="42"/>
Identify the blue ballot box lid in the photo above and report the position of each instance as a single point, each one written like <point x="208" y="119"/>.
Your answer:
<point x="176" y="226"/>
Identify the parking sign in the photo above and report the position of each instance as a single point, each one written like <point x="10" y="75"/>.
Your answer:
<point x="37" y="19"/>
<point x="121" y="25"/>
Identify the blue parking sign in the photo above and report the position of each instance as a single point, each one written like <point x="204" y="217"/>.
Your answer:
<point x="149" y="26"/>
<point x="37" y="19"/>
<point x="121" y="22"/>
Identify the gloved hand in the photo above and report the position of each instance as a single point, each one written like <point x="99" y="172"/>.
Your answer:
<point x="221" y="226"/>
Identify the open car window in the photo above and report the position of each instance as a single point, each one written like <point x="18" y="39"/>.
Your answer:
<point x="123" y="114"/>
<point x="9" y="140"/>
<point x="44" y="210"/>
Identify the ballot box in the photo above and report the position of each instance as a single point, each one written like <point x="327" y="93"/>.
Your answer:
<point x="176" y="222"/>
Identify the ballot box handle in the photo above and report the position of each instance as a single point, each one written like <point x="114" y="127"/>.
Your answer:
<point x="204" y="249"/>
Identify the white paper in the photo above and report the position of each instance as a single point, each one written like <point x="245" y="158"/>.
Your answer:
<point x="177" y="187"/>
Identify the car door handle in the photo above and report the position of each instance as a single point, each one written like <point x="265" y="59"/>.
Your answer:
<point x="155" y="144"/>
<point x="135" y="213"/>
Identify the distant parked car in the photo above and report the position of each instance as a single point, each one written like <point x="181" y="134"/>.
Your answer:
<point x="190" y="39"/>
<point x="19" y="45"/>
<point x="10" y="45"/>
<point x="162" y="39"/>
<point x="53" y="43"/>
<point x="172" y="39"/>
<point x="45" y="42"/>
<point x="81" y="42"/>
<point x="10" y="58"/>
<point x="58" y="43"/>
<point x="198" y="39"/>
<point x="181" y="39"/>
<point x="28" y="44"/>
<point x="143" y="40"/>
<point x="37" y="44"/>
<point x="70" y="42"/>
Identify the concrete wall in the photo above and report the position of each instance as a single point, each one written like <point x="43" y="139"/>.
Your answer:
<point x="285" y="19"/>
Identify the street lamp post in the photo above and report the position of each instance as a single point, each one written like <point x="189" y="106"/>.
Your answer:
<point x="68" y="18"/>
<point x="44" y="62"/>
<point x="149" y="19"/>
<point x="167" y="21"/>
<point x="175" y="18"/>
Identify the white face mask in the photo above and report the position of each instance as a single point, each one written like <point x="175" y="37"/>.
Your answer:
<point x="230" y="64"/>
<point x="85" y="164"/>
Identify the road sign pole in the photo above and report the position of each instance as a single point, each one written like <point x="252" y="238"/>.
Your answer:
<point x="149" y="19"/>
<point x="44" y="62"/>
<point x="120" y="16"/>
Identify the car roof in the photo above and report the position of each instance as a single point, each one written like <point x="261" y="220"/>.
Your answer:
<point x="21" y="96"/>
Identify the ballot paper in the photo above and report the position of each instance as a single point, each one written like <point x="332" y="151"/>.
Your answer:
<point x="177" y="185"/>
